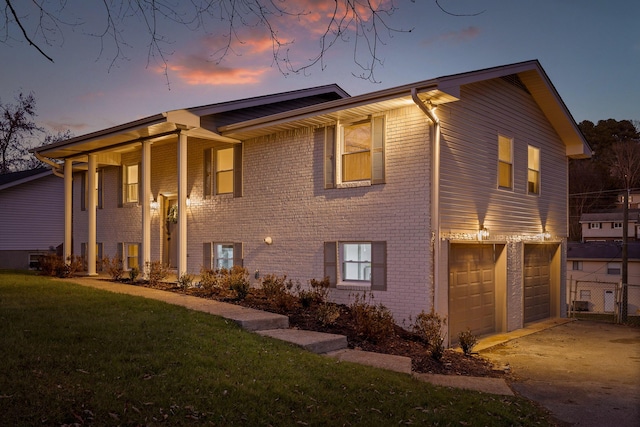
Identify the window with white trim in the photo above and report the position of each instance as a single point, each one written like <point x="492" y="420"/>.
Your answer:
<point x="577" y="265"/>
<point x="356" y="265"/>
<point x="616" y="225"/>
<point x="356" y="262"/>
<point x="223" y="255"/>
<point x="131" y="256"/>
<point x="613" y="268"/>
<point x="223" y="170"/>
<point x="585" y="294"/>
<point x="130" y="183"/>
<point x="595" y="225"/>
<point x="533" y="174"/>
<point x="505" y="162"/>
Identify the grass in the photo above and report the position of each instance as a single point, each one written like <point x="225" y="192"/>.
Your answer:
<point x="78" y="355"/>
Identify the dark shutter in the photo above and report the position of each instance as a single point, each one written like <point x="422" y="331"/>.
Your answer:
<point x="83" y="255"/>
<point x="331" y="262"/>
<point x="120" y="185"/>
<point x="99" y="178"/>
<point x="206" y="255"/>
<point x="330" y="157"/>
<point x="83" y="191"/>
<point x="207" y="173"/>
<point x="377" y="151"/>
<point x="378" y="266"/>
<point x="99" y="257"/>
<point x="120" y="252"/>
<point x="237" y="170"/>
<point x="140" y="260"/>
<point x="238" y="256"/>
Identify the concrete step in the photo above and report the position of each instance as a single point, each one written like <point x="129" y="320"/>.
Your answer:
<point x="385" y="361"/>
<point x="315" y="342"/>
<point x="255" y="320"/>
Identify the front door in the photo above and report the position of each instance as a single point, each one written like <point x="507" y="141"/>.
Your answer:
<point x="170" y="255"/>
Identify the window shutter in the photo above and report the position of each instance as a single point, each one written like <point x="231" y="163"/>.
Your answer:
<point x="237" y="170"/>
<point x="120" y="253"/>
<point x="120" y="186"/>
<point x="331" y="262"/>
<point x="207" y="173"/>
<point x="99" y="178"/>
<point x="83" y="253"/>
<point x="83" y="191"/>
<point x="330" y="157"/>
<point x="377" y="152"/>
<point x="238" y="258"/>
<point x="206" y="255"/>
<point x="140" y="261"/>
<point x="99" y="257"/>
<point x="378" y="266"/>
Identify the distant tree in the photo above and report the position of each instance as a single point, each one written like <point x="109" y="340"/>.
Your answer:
<point x="362" y="23"/>
<point x="31" y="162"/>
<point x="17" y="126"/>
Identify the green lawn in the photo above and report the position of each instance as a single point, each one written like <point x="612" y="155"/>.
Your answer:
<point x="70" y="354"/>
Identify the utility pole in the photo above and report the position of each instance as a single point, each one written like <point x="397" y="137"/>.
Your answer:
<point x="625" y="254"/>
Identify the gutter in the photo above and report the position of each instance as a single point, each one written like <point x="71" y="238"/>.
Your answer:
<point x="429" y="111"/>
<point x="55" y="167"/>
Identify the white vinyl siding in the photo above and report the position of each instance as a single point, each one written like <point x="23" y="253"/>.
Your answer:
<point x="533" y="174"/>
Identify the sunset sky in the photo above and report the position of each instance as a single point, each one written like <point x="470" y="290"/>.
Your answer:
<point x="589" y="48"/>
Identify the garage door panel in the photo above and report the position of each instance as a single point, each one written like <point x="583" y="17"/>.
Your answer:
<point x="537" y="282"/>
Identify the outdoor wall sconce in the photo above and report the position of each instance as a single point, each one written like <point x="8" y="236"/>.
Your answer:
<point x="268" y="240"/>
<point x="483" y="234"/>
<point x="188" y="201"/>
<point x="546" y="235"/>
<point x="154" y="205"/>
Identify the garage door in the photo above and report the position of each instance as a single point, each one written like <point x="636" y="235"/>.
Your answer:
<point x="471" y="289"/>
<point x="537" y="282"/>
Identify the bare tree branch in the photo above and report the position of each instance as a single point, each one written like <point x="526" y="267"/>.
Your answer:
<point x="24" y="32"/>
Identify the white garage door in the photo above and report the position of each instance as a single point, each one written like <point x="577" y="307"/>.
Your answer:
<point x="471" y="289"/>
<point x="537" y="282"/>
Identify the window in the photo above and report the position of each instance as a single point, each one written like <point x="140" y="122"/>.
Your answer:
<point x="533" y="180"/>
<point x="84" y="200"/>
<point x="505" y="162"/>
<point x="594" y="225"/>
<point x="356" y="262"/>
<point x="359" y="264"/>
<point x="130" y="182"/>
<point x="616" y="225"/>
<point x="222" y="255"/>
<point x="577" y="265"/>
<point x="130" y="260"/>
<point x="613" y="268"/>
<point x="585" y="294"/>
<point x="223" y="170"/>
<point x="358" y="157"/>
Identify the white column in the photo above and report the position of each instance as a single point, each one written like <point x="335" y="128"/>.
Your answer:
<point x="182" y="204"/>
<point x="146" y="208"/>
<point x="68" y="209"/>
<point x="91" y="210"/>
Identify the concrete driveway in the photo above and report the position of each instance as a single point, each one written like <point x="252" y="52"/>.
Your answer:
<point x="585" y="373"/>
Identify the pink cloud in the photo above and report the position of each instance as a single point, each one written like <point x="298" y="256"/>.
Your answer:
<point x="195" y="70"/>
<point x="461" y="36"/>
<point x="62" y="126"/>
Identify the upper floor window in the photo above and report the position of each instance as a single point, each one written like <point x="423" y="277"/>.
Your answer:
<point x="595" y="225"/>
<point x="577" y="265"/>
<point x="533" y="176"/>
<point x="356" y="151"/>
<point x="505" y="162"/>
<point x="613" y="268"/>
<point x="130" y="183"/>
<point x="223" y="170"/>
<point x="616" y="225"/>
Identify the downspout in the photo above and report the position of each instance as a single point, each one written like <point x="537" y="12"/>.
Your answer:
<point x="429" y="111"/>
<point x="55" y="167"/>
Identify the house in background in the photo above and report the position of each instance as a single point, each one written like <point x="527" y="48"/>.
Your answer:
<point x="607" y="226"/>
<point x="32" y="222"/>
<point x="448" y="194"/>
<point x="594" y="273"/>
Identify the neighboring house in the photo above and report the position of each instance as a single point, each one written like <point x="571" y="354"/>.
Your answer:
<point x="460" y="209"/>
<point x="607" y="226"/>
<point x="634" y="200"/>
<point x="32" y="206"/>
<point x="594" y="272"/>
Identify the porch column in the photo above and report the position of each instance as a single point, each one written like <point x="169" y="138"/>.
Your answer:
<point x="91" y="210"/>
<point x="182" y="204"/>
<point x="68" y="209"/>
<point x="146" y="208"/>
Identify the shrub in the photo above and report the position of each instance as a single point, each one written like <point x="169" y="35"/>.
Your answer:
<point x="328" y="313"/>
<point x="374" y="322"/>
<point x="316" y="294"/>
<point x="114" y="267"/>
<point x="467" y="341"/>
<point x="278" y="290"/>
<point x="157" y="272"/>
<point x="212" y="280"/>
<point x="239" y="281"/>
<point x="134" y="272"/>
<point x="54" y="265"/>
<point x="185" y="281"/>
<point x="429" y="327"/>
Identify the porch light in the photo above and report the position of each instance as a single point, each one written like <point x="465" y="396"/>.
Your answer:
<point x="154" y="205"/>
<point x="546" y="235"/>
<point x="188" y="201"/>
<point x="483" y="233"/>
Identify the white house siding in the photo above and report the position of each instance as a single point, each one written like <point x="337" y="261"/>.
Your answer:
<point x="33" y="218"/>
<point x="470" y="197"/>
<point x="284" y="198"/>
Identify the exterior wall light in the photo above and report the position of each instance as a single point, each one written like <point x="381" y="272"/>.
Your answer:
<point x="546" y="235"/>
<point x="268" y="240"/>
<point x="483" y="234"/>
<point x="188" y="201"/>
<point x="154" y="205"/>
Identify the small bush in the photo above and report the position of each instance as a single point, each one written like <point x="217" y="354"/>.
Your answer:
<point x="134" y="272"/>
<point x="185" y="281"/>
<point x="429" y="327"/>
<point x="213" y="281"/>
<point x="467" y="341"/>
<point x="374" y="322"/>
<point x="239" y="281"/>
<point x="54" y="265"/>
<point x="157" y="272"/>
<point x="278" y="289"/>
<point x="317" y="293"/>
<point x="328" y="313"/>
<point x="114" y="267"/>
